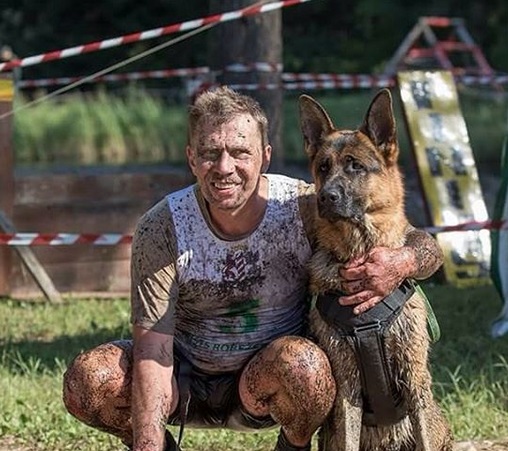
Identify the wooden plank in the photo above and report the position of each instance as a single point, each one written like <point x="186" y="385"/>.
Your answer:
<point x="97" y="185"/>
<point x="73" y="279"/>
<point x="86" y="200"/>
<point x="31" y="263"/>
<point x="80" y="253"/>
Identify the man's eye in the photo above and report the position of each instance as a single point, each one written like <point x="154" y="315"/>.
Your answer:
<point x="239" y="154"/>
<point x="209" y="155"/>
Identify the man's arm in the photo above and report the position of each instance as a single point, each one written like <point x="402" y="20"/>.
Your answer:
<point x="371" y="279"/>
<point x="152" y="388"/>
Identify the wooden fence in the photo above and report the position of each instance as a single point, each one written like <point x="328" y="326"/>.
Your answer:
<point x="77" y="200"/>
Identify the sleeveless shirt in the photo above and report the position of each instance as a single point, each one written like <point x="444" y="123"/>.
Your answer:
<point x="222" y="300"/>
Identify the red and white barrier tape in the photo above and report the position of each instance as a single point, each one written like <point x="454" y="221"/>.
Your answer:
<point x="343" y="82"/>
<point x="149" y="34"/>
<point x="470" y="226"/>
<point x="254" y="67"/>
<point x="291" y="81"/>
<point x="61" y="239"/>
<point x="483" y="79"/>
<point x="111" y="239"/>
<point x="167" y="73"/>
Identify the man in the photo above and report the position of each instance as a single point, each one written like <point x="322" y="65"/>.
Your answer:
<point x="219" y="298"/>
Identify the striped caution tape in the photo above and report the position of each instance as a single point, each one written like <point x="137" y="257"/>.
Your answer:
<point x="112" y="239"/>
<point x="63" y="239"/>
<point x="469" y="226"/>
<point x="149" y="34"/>
<point x="290" y="81"/>
<point x="167" y="73"/>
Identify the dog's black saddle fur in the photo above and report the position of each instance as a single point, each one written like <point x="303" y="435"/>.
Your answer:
<point x="383" y="403"/>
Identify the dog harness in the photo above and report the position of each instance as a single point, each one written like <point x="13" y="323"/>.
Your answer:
<point x="383" y="402"/>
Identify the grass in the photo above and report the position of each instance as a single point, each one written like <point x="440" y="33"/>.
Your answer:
<point x="139" y="128"/>
<point x="100" y="128"/>
<point x="38" y="340"/>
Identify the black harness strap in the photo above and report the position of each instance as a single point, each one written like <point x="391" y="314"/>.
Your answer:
<point x="383" y="402"/>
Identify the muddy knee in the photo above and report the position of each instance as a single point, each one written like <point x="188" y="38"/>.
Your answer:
<point x="294" y="372"/>
<point x="96" y="379"/>
<point x="301" y="363"/>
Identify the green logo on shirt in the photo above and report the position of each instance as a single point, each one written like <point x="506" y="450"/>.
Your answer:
<point x="247" y="318"/>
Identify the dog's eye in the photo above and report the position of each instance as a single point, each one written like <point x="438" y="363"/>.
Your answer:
<point x="354" y="165"/>
<point x="324" y="167"/>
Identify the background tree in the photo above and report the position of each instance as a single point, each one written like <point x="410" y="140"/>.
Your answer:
<point x="319" y="36"/>
<point x="251" y="40"/>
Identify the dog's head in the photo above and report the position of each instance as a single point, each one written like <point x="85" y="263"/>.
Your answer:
<point x="355" y="171"/>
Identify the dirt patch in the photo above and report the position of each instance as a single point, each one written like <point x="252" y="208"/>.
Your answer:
<point x="482" y="445"/>
<point x="11" y="444"/>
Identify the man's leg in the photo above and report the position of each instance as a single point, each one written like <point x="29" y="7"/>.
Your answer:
<point x="291" y="380"/>
<point x="97" y="389"/>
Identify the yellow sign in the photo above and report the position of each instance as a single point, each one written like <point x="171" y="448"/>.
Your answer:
<point x="447" y="171"/>
<point x="6" y="90"/>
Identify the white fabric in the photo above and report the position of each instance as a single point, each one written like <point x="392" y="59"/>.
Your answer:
<point x="237" y="296"/>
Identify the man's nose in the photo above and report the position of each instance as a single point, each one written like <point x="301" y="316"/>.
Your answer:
<point x="225" y="163"/>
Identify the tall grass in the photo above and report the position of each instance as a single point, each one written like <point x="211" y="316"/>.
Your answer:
<point x="37" y="341"/>
<point x="99" y="128"/>
<point x="136" y="127"/>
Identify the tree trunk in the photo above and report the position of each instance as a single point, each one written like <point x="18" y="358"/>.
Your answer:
<point x="251" y="40"/>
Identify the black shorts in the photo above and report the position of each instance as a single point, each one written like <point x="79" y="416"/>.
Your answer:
<point x="214" y="400"/>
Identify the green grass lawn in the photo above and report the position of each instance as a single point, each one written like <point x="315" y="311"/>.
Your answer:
<point x="37" y="341"/>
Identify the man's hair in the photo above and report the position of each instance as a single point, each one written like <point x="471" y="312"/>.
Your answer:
<point x="220" y="105"/>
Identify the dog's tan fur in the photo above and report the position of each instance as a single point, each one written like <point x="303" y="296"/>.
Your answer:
<point x="361" y="166"/>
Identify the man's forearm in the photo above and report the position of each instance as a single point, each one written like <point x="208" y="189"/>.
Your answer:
<point x="152" y="390"/>
<point x="427" y="255"/>
<point x="152" y="394"/>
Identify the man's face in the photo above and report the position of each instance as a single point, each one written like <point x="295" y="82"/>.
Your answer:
<point x="227" y="161"/>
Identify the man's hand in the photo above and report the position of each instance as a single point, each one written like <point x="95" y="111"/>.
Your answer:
<point x="368" y="280"/>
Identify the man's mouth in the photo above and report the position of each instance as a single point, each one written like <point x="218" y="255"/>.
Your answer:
<point x="224" y="185"/>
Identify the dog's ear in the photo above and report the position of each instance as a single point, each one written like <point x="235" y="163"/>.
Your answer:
<point x="315" y="124"/>
<point x="379" y="126"/>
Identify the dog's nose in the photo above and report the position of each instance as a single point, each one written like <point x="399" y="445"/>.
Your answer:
<point x="329" y="196"/>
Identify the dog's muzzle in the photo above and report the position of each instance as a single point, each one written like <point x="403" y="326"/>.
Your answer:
<point x="334" y="204"/>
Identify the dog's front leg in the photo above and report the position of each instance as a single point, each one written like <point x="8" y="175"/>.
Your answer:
<point x="343" y="429"/>
<point x="421" y="430"/>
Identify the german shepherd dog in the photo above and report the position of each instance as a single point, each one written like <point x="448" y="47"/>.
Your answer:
<point x="380" y="357"/>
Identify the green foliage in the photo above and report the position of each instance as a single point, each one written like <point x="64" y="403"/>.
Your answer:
<point x="100" y="128"/>
<point x="38" y="340"/>
<point x="140" y="128"/>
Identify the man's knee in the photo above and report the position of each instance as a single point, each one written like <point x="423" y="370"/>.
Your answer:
<point x="298" y="356"/>
<point x="291" y="365"/>
<point x="95" y="376"/>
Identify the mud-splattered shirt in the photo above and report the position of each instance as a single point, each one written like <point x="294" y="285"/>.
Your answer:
<point x="222" y="300"/>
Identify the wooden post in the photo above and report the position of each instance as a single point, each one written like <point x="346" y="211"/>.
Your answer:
<point x="252" y="40"/>
<point x="6" y="174"/>
<point x="32" y="263"/>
